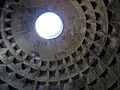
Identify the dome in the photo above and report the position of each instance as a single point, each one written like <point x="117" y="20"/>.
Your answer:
<point x="82" y="53"/>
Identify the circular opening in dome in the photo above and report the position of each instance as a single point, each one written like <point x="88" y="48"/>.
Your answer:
<point x="49" y="25"/>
